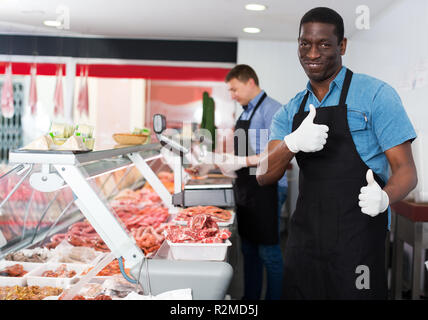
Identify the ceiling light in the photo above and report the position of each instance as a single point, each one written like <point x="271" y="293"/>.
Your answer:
<point x="251" y="30"/>
<point x="255" y="7"/>
<point x="52" y="23"/>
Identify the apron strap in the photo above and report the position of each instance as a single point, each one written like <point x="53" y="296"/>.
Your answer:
<point x="256" y="107"/>
<point x="346" y="84"/>
<point x="303" y="104"/>
<point x="343" y="94"/>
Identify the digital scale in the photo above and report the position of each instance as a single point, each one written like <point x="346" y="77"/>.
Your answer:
<point x="209" y="192"/>
<point x="212" y="191"/>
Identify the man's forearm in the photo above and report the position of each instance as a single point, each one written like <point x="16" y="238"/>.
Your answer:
<point x="253" y="161"/>
<point x="403" y="172"/>
<point x="401" y="183"/>
<point x="273" y="162"/>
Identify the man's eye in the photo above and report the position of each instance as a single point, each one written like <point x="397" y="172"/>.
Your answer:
<point x="325" y="45"/>
<point x="303" y="44"/>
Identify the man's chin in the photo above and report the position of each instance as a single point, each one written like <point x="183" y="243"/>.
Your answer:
<point x="316" y="76"/>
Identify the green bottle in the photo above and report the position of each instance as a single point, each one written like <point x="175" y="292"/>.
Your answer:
<point x="208" y="118"/>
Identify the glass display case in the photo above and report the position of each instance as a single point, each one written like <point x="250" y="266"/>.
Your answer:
<point x="43" y="193"/>
<point x="29" y="216"/>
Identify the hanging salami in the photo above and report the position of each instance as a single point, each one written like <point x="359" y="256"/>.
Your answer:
<point x="7" y="107"/>
<point x="33" y="90"/>
<point x="83" y="101"/>
<point x="58" y="95"/>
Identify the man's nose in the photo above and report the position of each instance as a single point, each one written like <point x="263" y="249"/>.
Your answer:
<point x="313" y="53"/>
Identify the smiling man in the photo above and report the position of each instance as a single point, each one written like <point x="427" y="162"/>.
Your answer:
<point x="346" y="131"/>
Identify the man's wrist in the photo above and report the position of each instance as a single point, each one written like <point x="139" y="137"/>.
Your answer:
<point x="385" y="201"/>
<point x="243" y="161"/>
<point x="291" y="145"/>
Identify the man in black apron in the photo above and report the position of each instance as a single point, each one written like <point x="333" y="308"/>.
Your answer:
<point x="256" y="206"/>
<point x="335" y="247"/>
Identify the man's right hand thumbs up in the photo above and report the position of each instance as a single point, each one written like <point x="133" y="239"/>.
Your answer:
<point x="308" y="137"/>
<point x="312" y="113"/>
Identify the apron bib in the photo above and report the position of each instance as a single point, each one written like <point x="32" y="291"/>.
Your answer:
<point x="331" y="242"/>
<point x="255" y="206"/>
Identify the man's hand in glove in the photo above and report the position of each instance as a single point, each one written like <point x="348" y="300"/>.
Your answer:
<point x="168" y="157"/>
<point x="200" y="169"/>
<point x="308" y="137"/>
<point x="373" y="200"/>
<point x="231" y="163"/>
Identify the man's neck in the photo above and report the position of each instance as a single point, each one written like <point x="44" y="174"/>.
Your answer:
<point x="256" y="92"/>
<point x="321" y="88"/>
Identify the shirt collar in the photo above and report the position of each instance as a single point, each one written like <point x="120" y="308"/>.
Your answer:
<point x="253" y="102"/>
<point x="338" y="80"/>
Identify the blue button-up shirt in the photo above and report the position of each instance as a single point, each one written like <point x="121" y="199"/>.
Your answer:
<point x="376" y="117"/>
<point x="259" y="129"/>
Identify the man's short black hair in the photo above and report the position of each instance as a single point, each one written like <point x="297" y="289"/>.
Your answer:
<point x="243" y="73"/>
<point x="325" y="15"/>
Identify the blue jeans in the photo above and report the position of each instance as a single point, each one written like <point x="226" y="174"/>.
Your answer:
<point x="269" y="256"/>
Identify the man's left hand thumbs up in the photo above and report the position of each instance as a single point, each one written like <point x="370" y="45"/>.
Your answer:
<point x="373" y="200"/>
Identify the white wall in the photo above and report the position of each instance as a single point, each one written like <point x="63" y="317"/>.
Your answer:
<point x="395" y="49"/>
<point x="277" y="66"/>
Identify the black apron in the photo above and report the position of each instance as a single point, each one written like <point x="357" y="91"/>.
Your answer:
<point x="256" y="206"/>
<point x="331" y="243"/>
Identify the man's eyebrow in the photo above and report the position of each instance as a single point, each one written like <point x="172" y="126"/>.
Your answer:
<point x="317" y="40"/>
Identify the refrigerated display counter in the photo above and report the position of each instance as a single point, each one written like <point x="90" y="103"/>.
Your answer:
<point x="44" y="193"/>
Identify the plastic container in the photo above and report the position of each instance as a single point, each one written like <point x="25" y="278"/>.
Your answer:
<point x="34" y="278"/>
<point x="17" y="281"/>
<point x="89" y="143"/>
<point x="36" y="255"/>
<point x="59" y="141"/>
<point x="90" y="290"/>
<point x="199" y="251"/>
<point x="64" y="251"/>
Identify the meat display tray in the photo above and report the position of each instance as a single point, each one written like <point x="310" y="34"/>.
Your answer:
<point x="199" y="251"/>
<point x="17" y="281"/>
<point x="219" y="223"/>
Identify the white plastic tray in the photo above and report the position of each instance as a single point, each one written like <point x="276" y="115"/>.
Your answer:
<point x="199" y="251"/>
<point x="97" y="279"/>
<point x="99" y="255"/>
<point x="34" y="277"/>
<point x="17" y="281"/>
<point x="220" y="224"/>
<point x="29" y="252"/>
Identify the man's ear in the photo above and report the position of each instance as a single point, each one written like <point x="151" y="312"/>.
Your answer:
<point x="343" y="44"/>
<point x="251" y="82"/>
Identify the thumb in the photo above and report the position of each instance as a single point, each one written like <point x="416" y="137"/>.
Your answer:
<point x="369" y="177"/>
<point x="312" y="113"/>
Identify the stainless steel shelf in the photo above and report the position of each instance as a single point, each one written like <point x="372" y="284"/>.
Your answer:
<point x="75" y="158"/>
